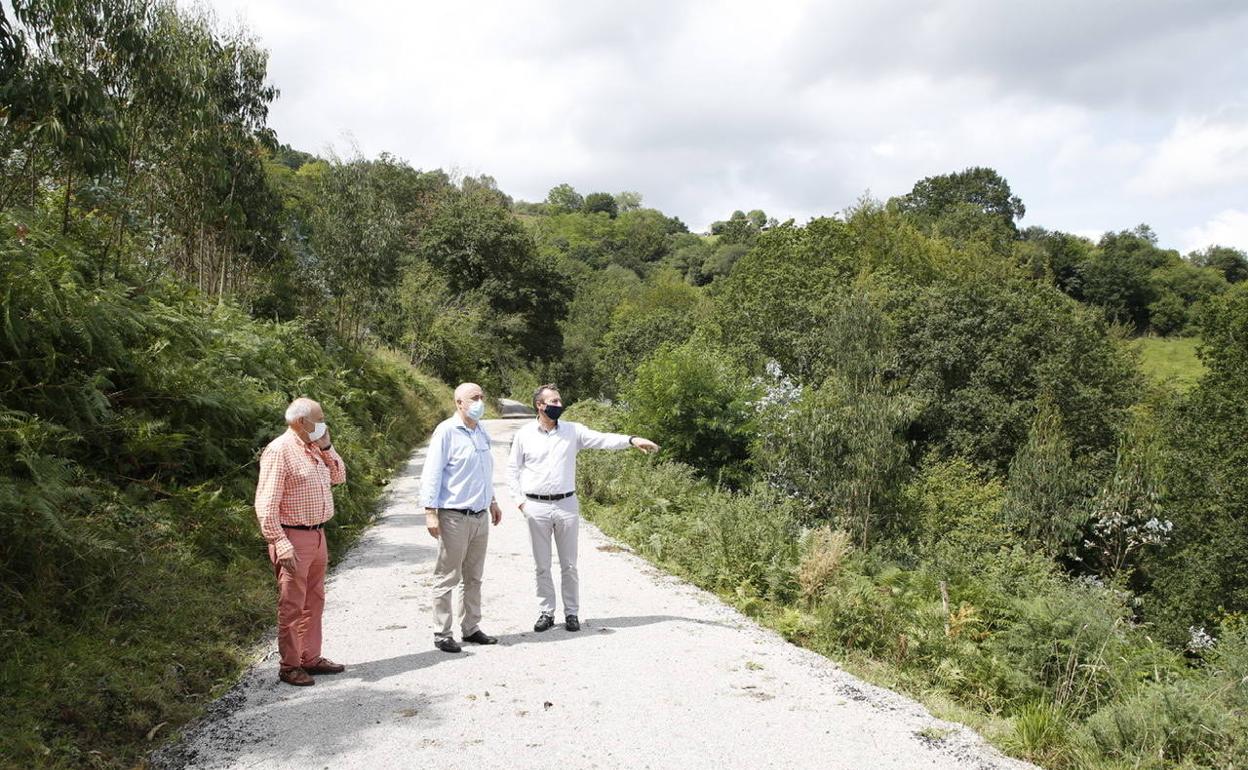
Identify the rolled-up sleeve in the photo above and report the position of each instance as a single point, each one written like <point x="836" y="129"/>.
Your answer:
<point x="269" y="490"/>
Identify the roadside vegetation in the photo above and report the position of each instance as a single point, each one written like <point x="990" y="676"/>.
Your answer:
<point x="999" y="467"/>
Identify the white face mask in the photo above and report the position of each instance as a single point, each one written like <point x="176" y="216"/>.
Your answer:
<point x="317" y="431"/>
<point x="476" y="409"/>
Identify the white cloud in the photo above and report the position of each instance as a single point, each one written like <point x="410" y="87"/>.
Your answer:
<point x="1198" y="154"/>
<point x="1228" y="228"/>
<point x="795" y="106"/>
<point x="1091" y="233"/>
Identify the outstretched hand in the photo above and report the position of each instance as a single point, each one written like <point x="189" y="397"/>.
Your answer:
<point x="645" y="445"/>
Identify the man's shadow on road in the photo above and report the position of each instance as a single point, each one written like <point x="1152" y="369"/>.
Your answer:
<point x="377" y="670"/>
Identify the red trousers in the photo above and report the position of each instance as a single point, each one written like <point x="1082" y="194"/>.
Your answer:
<point x="301" y="598"/>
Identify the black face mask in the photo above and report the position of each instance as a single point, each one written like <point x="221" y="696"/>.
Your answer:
<point x="553" y="412"/>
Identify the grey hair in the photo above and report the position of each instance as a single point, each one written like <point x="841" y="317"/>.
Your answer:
<point x="298" y="409"/>
<point x="537" y="394"/>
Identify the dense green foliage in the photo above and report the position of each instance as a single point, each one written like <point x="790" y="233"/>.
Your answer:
<point x="697" y="403"/>
<point x="1202" y="573"/>
<point x="147" y="222"/>
<point x="1054" y="669"/>
<point x="957" y="467"/>
<point x="912" y="435"/>
<point x="132" y="419"/>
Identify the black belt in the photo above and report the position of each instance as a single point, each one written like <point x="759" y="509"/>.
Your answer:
<point x="465" y="511"/>
<point x="549" y="497"/>
<point x="304" y="526"/>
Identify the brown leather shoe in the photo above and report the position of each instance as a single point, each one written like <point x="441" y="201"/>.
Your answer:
<point x="296" y="676"/>
<point x="324" y="666"/>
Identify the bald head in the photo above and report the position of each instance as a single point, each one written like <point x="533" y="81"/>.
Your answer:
<point x="469" y="402"/>
<point x="466" y="390"/>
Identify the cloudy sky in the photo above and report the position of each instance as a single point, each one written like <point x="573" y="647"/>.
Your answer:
<point x="1102" y="114"/>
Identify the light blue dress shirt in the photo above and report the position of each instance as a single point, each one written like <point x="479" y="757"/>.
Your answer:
<point x="459" y="469"/>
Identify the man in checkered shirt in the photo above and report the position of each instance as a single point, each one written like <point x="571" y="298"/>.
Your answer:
<point x="293" y="502"/>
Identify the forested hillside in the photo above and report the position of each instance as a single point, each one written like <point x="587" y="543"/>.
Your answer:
<point x="914" y="435"/>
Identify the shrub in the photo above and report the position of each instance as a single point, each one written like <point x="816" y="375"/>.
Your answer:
<point x="954" y="513"/>
<point x="841" y="449"/>
<point x="1042" y="500"/>
<point x="822" y="559"/>
<point x="696" y="403"/>
<point x="741" y="544"/>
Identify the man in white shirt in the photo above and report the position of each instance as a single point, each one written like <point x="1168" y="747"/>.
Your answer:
<point x="542" y="477"/>
<point x="457" y="488"/>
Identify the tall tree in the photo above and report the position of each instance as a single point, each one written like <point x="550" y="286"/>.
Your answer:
<point x="564" y="198"/>
<point x="1232" y="263"/>
<point x="981" y="189"/>
<point x="601" y="203"/>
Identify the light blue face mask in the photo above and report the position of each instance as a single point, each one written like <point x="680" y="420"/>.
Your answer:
<point x="476" y="409"/>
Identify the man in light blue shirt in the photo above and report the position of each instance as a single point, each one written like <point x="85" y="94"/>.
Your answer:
<point x="456" y="489"/>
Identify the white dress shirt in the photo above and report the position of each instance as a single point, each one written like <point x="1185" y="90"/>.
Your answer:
<point x="544" y="462"/>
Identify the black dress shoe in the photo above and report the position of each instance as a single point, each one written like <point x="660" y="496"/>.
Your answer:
<point x="544" y="622"/>
<point x="480" y="637"/>
<point x="572" y="623"/>
<point x="447" y="644"/>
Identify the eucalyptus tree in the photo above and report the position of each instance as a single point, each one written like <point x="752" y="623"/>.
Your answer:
<point x="356" y="241"/>
<point x="135" y="118"/>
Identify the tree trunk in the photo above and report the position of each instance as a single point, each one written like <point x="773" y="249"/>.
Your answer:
<point x="69" y="186"/>
<point x="225" y="260"/>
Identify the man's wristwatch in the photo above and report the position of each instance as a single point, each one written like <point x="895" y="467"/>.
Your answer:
<point x="630" y="441"/>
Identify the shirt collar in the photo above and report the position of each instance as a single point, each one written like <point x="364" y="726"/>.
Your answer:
<point x="459" y="420"/>
<point x="293" y="438"/>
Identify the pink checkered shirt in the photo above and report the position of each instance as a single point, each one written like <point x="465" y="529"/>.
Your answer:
<point x="294" y="487"/>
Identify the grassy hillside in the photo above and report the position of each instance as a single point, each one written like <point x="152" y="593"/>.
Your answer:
<point x="131" y="417"/>
<point x="1170" y="361"/>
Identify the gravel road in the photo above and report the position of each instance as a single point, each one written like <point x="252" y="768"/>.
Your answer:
<point x="662" y="675"/>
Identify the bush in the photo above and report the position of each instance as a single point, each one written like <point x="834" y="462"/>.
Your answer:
<point x="954" y="513"/>
<point x="1042" y="494"/>
<point x="822" y="558"/>
<point x="743" y="545"/>
<point x="664" y="310"/>
<point x="840" y="449"/>
<point x="697" y="404"/>
<point x="1198" y="719"/>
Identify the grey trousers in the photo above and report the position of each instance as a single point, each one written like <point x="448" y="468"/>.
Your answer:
<point x="561" y="520"/>
<point x="461" y="557"/>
